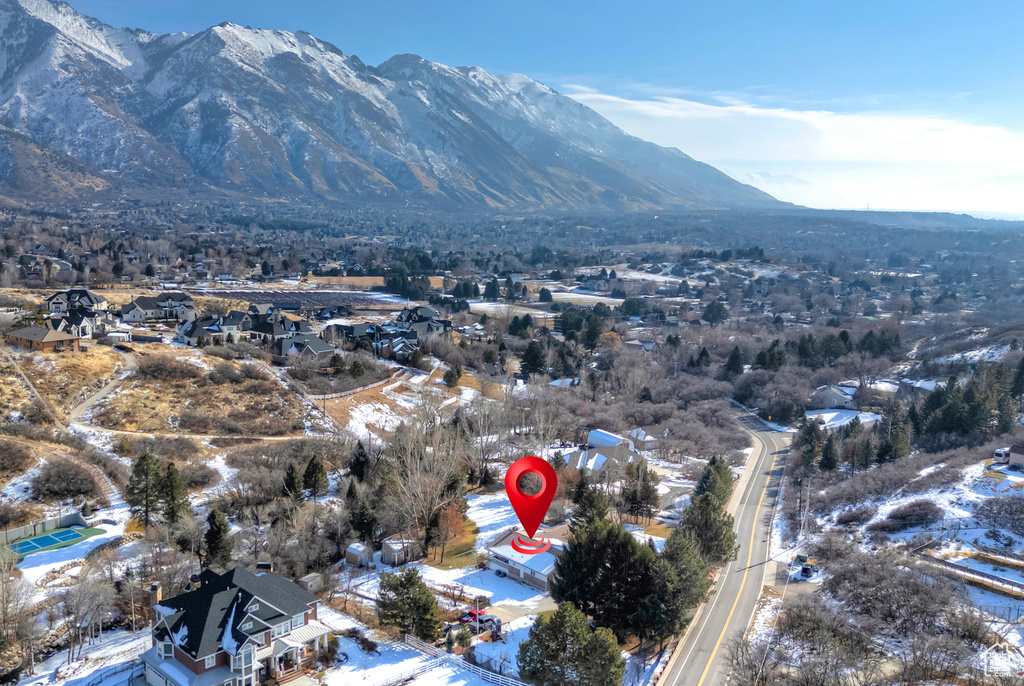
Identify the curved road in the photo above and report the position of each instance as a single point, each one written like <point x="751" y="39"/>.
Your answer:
<point x="702" y="657"/>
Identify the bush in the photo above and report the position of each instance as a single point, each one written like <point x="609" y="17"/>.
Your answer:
<point x="16" y="457"/>
<point x="221" y="351"/>
<point x="198" y="476"/>
<point x="167" y="368"/>
<point x="913" y="514"/>
<point x="61" y="481"/>
<point x="856" y="515"/>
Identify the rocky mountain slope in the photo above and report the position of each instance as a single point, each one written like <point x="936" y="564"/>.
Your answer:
<point x="285" y="115"/>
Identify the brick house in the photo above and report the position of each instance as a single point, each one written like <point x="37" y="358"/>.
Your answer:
<point x="43" y="340"/>
<point x="235" y="629"/>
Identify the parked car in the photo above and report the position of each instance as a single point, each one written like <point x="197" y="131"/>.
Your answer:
<point x="485" y="623"/>
<point x="501" y="573"/>
<point x="469" y="616"/>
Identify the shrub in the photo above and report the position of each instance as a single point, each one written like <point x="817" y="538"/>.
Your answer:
<point x="198" y="476"/>
<point x="16" y="457"/>
<point x="856" y="515"/>
<point x="915" y="513"/>
<point x="61" y="481"/>
<point x="167" y="368"/>
<point x="221" y="351"/>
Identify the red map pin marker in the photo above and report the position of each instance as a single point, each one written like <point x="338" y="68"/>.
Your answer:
<point x="531" y="508"/>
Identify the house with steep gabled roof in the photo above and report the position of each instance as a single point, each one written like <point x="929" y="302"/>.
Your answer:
<point x="76" y="298"/>
<point x="235" y="629"/>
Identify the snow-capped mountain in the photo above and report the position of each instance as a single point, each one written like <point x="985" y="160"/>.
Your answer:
<point x="283" y="114"/>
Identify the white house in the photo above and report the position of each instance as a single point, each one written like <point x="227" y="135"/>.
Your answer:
<point x="832" y="397"/>
<point x="536" y="570"/>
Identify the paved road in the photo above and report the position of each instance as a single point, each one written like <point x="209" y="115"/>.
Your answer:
<point x="702" y="659"/>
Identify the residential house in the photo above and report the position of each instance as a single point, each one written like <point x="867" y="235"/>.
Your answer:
<point x="832" y="397"/>
<point x="306" y="346"/>
<point x="536" y="570"/>
<point x="142" y="309"/>
<point x="641" y="346"/>
<point x="81" y="323"/>
<point x="424" y="320"/>
<point x="43" y="340"/>
<point x="235" y="629"/>
<point x="642" y="440"/>
<point x="1016" y="456"/>
<point x="76" y="298"/>
<point x="400" y="549"/>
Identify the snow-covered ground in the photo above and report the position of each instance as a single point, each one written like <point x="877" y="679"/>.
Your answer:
<point x="833" y="419"/>
<point x="992" y="353"/>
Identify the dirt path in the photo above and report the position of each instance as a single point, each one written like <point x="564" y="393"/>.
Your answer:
<point x="13" y="360"/>
<point x="77" y="413"/>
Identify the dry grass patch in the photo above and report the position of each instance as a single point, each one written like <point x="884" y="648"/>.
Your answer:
<point x="67" y="378"/>
<point x="173" y="395"/>
<point x="13" y="394"/>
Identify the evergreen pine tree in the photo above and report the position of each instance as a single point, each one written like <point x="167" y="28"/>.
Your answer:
<point x="218" y="540"/>
<point x="829" y="455"/>
<point x="592" y="507"/>
<point x="582" y="486"/>
<point x="716" y="479"/>
<point x="693" y="576"/>
<point x="734" y="365"/>
<point x="711" y="529"/>
<point x="404" y="601"/>
<point x="359" y="465"/>
<point x="562" y="650"/>
<point x="314" y="479"/>
<point x="144" y="489"/>
<point x="557" y="462"/>
<point x="175" y="495"/>
<point x="293" y="483"/>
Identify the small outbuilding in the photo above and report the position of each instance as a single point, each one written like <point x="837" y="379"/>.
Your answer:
<point x="399" y="549"/>
<point x="359" y="555"/>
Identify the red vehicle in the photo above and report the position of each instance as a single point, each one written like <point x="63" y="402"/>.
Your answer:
<point x="470" y="616"/>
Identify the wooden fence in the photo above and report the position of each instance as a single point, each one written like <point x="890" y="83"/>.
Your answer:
<point x="345" y="394"/>
<point x="1005" y="586"/>
<point x="41" y="526"/>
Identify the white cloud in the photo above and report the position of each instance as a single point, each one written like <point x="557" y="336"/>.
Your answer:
<point x="829" y="159"/>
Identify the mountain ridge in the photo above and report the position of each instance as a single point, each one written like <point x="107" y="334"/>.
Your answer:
<point x="276" y="114"/>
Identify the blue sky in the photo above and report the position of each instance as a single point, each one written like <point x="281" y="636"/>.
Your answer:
<point x="899" y="105"/>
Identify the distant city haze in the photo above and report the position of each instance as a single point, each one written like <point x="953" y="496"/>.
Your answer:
<point x="908" y="105"/>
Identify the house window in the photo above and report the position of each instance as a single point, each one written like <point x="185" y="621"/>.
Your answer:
<point x="246" y="626"/>
<point x="297" y="621"/>
<point x="166" y="651"/>
<point x="211" y="661"/>
<point x="281" y="629"/>
<point x="254" y="607"/>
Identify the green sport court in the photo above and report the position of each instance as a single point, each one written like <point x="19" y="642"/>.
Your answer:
<point x="51" y="540"/>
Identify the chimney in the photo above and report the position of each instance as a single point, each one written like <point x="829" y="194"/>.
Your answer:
<point x="156" y="593"/>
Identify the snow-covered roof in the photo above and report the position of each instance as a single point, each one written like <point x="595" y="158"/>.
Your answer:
<point x="356" y="549"/>
<point x="599" y="438"/>
<point x="541" y="563"/>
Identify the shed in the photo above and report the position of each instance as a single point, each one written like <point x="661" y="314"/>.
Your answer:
<point x="359" y="555"/>
<point x="399" y="549"/>
<point x="312" y="582"/>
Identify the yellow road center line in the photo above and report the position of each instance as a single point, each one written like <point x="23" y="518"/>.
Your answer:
<point x="743" y="581"/>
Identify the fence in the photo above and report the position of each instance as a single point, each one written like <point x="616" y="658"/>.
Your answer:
<point x="1012" y="588"/>
<point x="1003" y="554"/>
<point x="345" y="394"/>
<point x="451" y="660"/>
<point x="411" y="674"/>
<point x="41" y="526"/>
<point x="124" y="673"/>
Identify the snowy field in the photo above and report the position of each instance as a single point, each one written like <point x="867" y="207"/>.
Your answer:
<point x="833" y="419"/>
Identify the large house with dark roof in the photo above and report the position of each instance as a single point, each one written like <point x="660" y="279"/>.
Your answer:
<point x="235" y="629"/>
<point x="76" y="298"/>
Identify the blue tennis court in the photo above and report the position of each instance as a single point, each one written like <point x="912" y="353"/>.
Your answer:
<point x="44" y="541"/>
